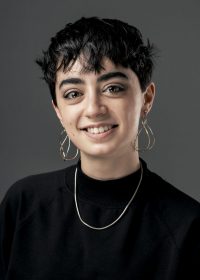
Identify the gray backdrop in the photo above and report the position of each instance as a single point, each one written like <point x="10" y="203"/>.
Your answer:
<point x="29" y="128"/>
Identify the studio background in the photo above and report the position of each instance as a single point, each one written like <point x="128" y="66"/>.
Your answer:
<point x="29" y="141"/>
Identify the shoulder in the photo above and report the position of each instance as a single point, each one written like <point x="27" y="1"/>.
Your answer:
<point x="166" y="196"/>
<point x="38" y="184"/>
<point x="28" y="193"/>
<point x="171" y="197"/>
<point x="177" y="212"/>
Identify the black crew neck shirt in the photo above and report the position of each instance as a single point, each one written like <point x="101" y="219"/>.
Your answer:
<point x="42" y="237"/>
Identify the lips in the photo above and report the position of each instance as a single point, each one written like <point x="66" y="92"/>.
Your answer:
<point x="100" y="130"/>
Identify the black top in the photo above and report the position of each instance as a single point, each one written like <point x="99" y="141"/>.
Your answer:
<point x="42" y="238"/>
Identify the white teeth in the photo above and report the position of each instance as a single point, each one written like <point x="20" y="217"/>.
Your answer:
<point x="97" y="130"/>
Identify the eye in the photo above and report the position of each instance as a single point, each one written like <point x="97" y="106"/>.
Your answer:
<point x="114" y="89"/>
<point x="72" y="94"/>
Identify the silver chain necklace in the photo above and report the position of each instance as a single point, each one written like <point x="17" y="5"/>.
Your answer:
<point x="115" y="221"/>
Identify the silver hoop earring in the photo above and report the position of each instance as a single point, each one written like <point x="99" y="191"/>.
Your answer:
<point x="64" y="154"/>
<point x="149" y="134"/>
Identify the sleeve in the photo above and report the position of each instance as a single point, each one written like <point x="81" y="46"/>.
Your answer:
<point x="9" y="209"/>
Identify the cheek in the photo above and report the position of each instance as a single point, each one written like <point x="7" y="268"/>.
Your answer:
<point x="70" y="129"/>
<point x="68" y="123"/>
<point x="71" y="116"/>
<point x="131" y="113"/>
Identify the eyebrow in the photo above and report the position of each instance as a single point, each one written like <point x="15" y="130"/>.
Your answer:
<point x="104" y="77"/>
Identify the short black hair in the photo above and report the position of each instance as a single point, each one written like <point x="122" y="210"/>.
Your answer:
<point x="97" y="38"/>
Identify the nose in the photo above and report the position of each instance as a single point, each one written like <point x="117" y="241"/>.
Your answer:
<point x="94" y="107"/>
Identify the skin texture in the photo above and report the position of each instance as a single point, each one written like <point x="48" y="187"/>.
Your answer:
<point x="95" y="99"/>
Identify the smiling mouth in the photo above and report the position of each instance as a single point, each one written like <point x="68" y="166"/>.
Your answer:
<point x="99" y="130"/>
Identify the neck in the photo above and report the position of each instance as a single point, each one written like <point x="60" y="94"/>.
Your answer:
<point x="110" y="168"/>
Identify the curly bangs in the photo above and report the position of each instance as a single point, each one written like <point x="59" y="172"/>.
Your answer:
<point x="95" y="39"/>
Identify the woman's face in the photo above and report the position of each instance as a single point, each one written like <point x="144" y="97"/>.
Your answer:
<point x="100" y="111"/>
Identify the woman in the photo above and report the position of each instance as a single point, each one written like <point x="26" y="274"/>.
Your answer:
<point x="108" y="216"/>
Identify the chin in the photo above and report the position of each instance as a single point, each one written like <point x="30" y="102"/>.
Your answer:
<point x="101" y="152"/>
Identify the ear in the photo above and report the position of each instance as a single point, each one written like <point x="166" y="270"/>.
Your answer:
<point x="57" y="112"/>
<point x="149" y="96"/>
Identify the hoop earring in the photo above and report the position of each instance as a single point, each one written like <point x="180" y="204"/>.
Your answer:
<point x="149" y="133"/>
<point x="64" y="154"/>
